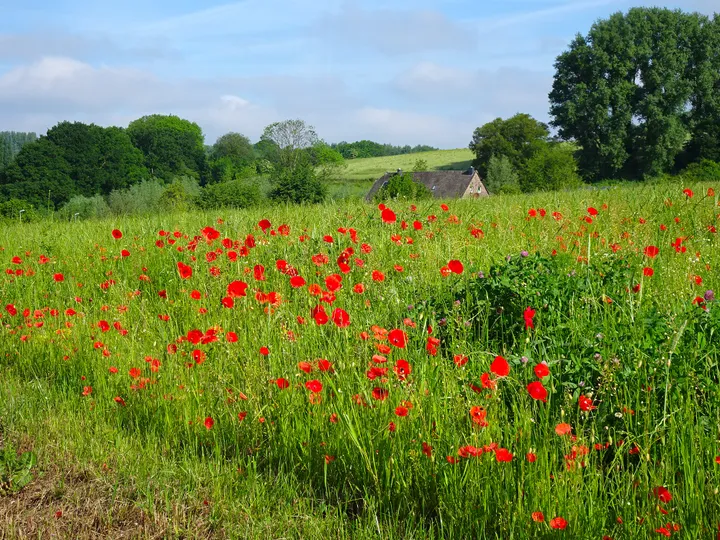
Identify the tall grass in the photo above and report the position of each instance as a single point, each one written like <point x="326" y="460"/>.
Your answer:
<point x="191" y="421"/>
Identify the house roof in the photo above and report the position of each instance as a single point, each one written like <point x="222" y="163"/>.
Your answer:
<point x="447" y="184"/>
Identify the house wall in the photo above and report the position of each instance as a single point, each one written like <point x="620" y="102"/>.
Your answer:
<point x="475" y="188"/>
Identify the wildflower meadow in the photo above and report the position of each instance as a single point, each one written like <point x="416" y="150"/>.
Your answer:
<point x="528" y="366"/>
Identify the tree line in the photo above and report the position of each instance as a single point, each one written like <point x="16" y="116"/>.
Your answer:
<point x="10" y="144"/>
<point x="638" y="97"/>
<point x="366" y="149"/>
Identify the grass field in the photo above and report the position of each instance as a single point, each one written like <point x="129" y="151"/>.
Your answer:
<point x="511" y="367"/>
<point x="370" y="169"/>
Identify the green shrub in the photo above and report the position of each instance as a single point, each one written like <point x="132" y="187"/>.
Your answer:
<point x="140" y="198"/>
<point x="85" y="207"/>
<point x="298" y="185"/>
<point x="550" y="169"/>
<point x="704" y="171"/>
<point x="235" y="194"/>
<point x="402" y="186"/>
<point x="16" y="209"/>
<point x="501" y="176"/>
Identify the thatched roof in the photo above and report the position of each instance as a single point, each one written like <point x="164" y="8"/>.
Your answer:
<point x="442" y="184"/>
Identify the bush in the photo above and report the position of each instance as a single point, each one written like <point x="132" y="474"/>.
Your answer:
<point x="235" y="194"/>
<point x="704" y="171"/>
<point x="501" y="176"/>
<point x="18" y="210"/>
<point x="550" y="169"/>
<point x="85" y="207"/>
<point x="140" y="198"/>
<point x="402" y="186"/>
<point x="298" y="185"/>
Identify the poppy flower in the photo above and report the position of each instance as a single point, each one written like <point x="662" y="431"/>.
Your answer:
<point x="58" y="277"/>
<point x="209" y="422"/>
<point x="388" y="216"/>
<point x="592" y="211"/>
<point x="455" y="266"/>
<point x="538" y="517"/>
<point x="531" y="457"/>
<point x="651" y="251"/>
<point x="432" y="345"/>
<point x="402" y="369"/>
<point x="116" y="234"/>
<point x="184" y="270"/>
<point x="460" y="360"/>
<point x="264" y="351"/>
<point x="325" y="365"/>
<point x="427" y="449"/>
<point x="503" y="455"/>
<point x="528" y="315"/>
<point x="537" y="391"/>
<point x="264" y="224"/>
<point x="662" y="494"/>
<point x="558" y="523"/>
<point x="487" y="382"/>
<point x="305" y="366"/>
<point x="341" y="318"/>
<point x="585" y="403"/>
<point x="478" y="416"/>
<point x="398" y="338"/>
<point x="297" y="281"/>
<point x="563" y="429"/>
<point x="237" y="288"/>
<point x="401" y="411"/>
<point x="500" y="367"/>
<point x="380" y="394"/>
<point x="282" y="384"/>
<point x="541" y="370"/>
<point x="314" y="386"/>
<point x="648" y="272"/>
<point x="688" y="192"/>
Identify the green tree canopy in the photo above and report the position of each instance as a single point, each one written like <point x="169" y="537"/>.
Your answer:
<point x="10" y="144"/>
<point x="637" y="89"/>
<point x="73" y="159"/>
<point x="517" y="138"/>
<point x="236" y="147"/>
<point x="171" y="145"/>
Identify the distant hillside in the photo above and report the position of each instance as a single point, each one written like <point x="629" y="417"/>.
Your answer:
<point x="373" y="168"/>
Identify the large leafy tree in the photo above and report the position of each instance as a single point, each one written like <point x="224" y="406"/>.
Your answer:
<point x="517" y="138"/>
<point x="625" y="91"/>
<point x="297" y="156"/>
<point x="172" y="146"/>
<point x="10" y="144"/>
<point x="73" y="159"/>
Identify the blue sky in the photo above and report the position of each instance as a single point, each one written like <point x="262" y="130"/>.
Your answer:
<point x="399" y="71"/>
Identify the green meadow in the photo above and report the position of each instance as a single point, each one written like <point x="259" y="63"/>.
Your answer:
<point x="530" y="366"/>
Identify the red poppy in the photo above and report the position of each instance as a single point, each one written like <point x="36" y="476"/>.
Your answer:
<point x="380" y="394"/>
<point x="541" y="370"/>
<point x="264" y="351"/>
<point x="478" y="416"/>
<point x="297" y="282"/>
<point x="460" y="360"/>
<point x="135" y="372"/>
<point x="341" y="318"/>
<point x="563" y="429"/>
<point x="592" y="211"/>
<point x="185" y="270"/>
<point x="402" y="369"/>
<point x="651" y="251"/>
<point x="455" y="266"/>
<point x="531" y="457"/>
<point x="500" y="367"/>
<point x="585" y="403"/>
<point x="558" y="523"/>
<point x="325" y="365"/>
<point x="528" y="315"/>
<point x="503" y="455"/>
<point x="209" y="422"/>
<point x="688" y="192"/>
<point x="648" y="272"/>
<point x="58" y="277"/>
<point x="282" y="384"/>
<point x="487" y="382"/>
<point x="427" y="449"/>
<point x="662" y="494"/>
<point x="314" y="386"/>
<point x="237" y="288"/>
<point x="537" y="391"/>
<point x="333" y="282"/>
<point x="398" y="338"/>
<point x="305" y="366"/>
<point x="264" y="224"/>
<point x="538" y="517"/>
<point x="401" y="411"/>
<point x="388" y="216"/>
<point x="432" y="345"/>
